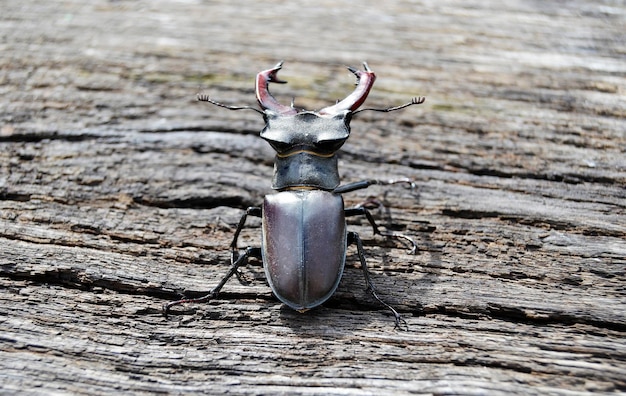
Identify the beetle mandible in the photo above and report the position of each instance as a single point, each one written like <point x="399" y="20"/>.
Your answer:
<point x="304" y="234"/>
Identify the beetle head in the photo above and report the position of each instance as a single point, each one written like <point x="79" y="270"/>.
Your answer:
<point x="321" y="132"/>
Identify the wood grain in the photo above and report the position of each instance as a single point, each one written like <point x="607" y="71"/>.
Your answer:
<point x="119" y="192"/>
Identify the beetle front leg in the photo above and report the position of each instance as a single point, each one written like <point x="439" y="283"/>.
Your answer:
<point x="353" y="237"/>
<point x="366" y="183"/>
<point x="241" y="260"/>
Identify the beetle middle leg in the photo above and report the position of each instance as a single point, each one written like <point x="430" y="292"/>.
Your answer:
<point x="236" y="261"/>
<point x="361" y="209"/>
<point x="353" y="237"/>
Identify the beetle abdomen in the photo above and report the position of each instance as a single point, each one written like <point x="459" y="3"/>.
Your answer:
<point x="304" y="245"/>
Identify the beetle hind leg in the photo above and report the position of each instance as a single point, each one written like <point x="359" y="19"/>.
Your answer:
<point x="233" y="270"/>
<point x="237" y="260"/>
<point x="234" y="252"/>
<point x="353" y="237"/>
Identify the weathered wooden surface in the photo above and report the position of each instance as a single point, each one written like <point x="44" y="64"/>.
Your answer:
<point x="118" y="191"/>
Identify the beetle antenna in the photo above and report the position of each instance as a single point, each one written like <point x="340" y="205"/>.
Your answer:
<point x="206" y="98"/>
<point x="414" y="101"/>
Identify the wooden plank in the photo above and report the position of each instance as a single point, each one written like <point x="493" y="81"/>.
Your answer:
<point x="119" y="192"/>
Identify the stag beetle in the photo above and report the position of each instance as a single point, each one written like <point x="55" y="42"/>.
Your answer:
<point x="304" y="235"/>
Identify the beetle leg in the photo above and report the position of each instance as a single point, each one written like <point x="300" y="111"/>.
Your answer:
<point x="353" y="237"/>
<point x="241" y="260"/>
<point x="366" y="183"/>
<point x="236" y="261"/>
<point x="251" y="211"/>
<point x="234" y="252"/>
<point x="362" y="210"/>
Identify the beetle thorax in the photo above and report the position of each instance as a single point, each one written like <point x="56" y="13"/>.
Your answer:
<point x="306" y="144"/>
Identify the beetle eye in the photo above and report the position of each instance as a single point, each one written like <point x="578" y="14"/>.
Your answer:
<point x="329" y="146"/>
<point x="280" y="147"/>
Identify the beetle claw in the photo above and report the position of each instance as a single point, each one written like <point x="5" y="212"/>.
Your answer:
<point x="241" y="277"/>
<point x="401" y="324"/>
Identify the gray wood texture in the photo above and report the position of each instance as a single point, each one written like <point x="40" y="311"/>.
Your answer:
<point x="119" y="192"/>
